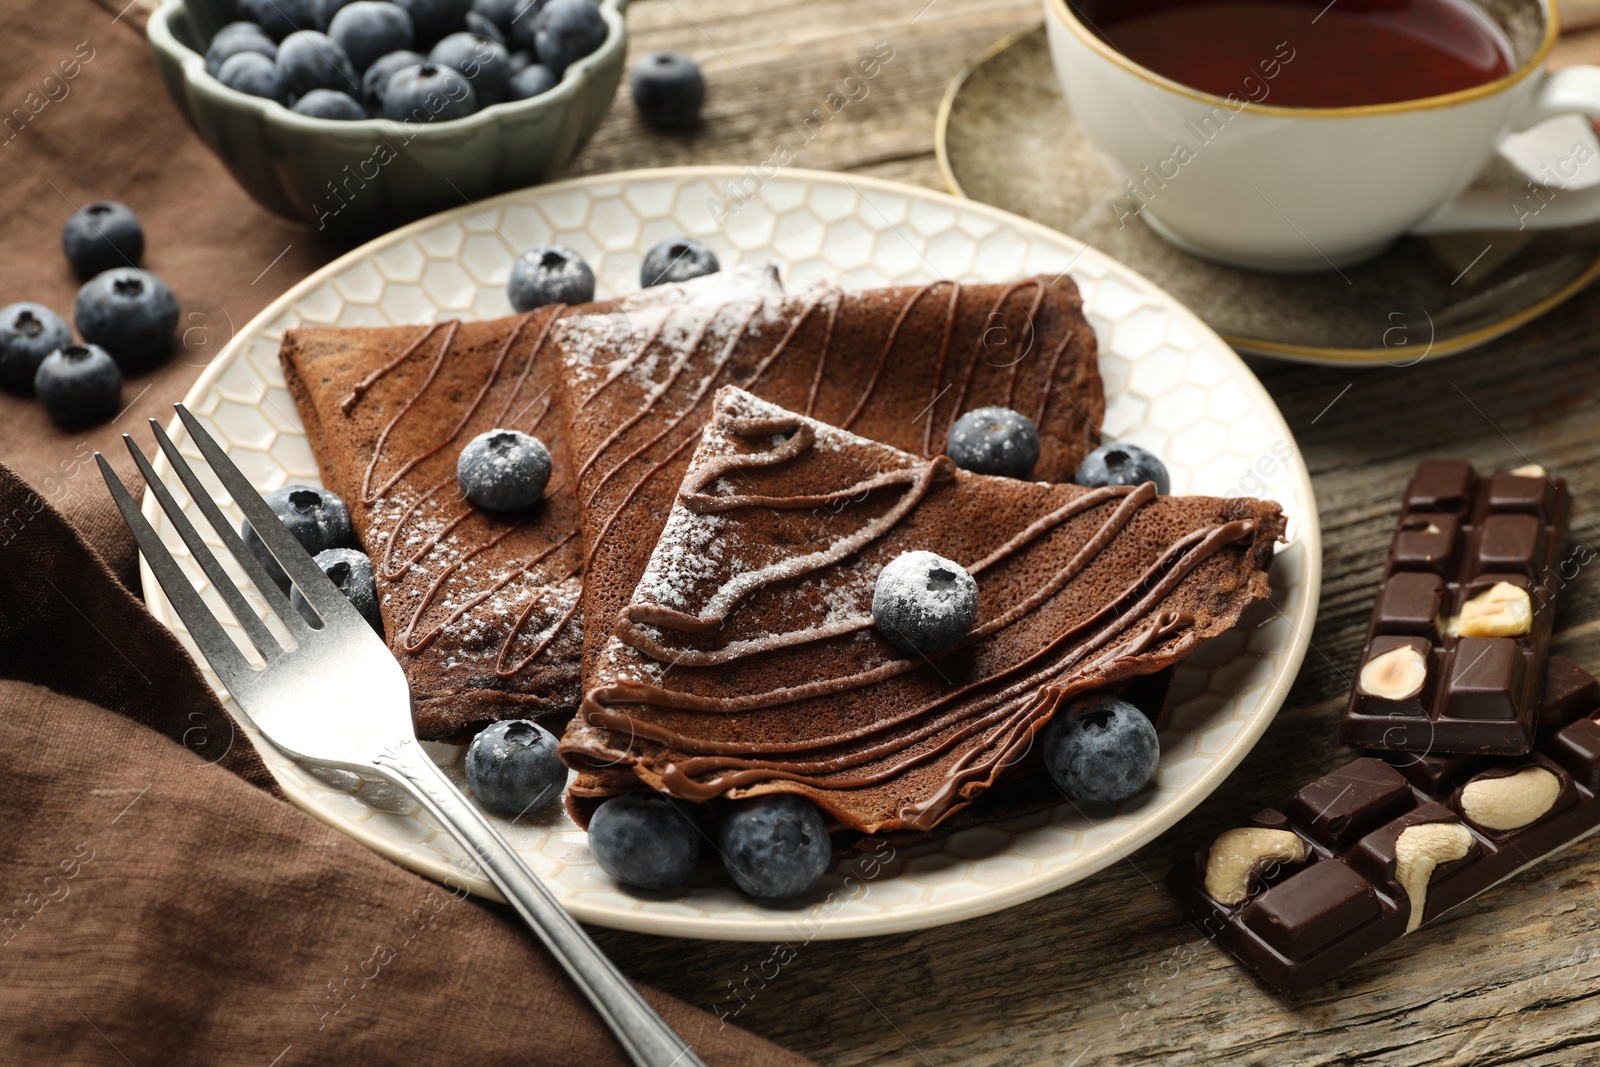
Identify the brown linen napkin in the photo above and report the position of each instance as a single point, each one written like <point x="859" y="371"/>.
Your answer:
<point x="159" y="908"/>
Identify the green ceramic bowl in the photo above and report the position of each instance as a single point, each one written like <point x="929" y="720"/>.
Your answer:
<point x="357" y="179"/>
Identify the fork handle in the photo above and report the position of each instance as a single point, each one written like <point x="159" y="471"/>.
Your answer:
<point x="645" y="1036"/>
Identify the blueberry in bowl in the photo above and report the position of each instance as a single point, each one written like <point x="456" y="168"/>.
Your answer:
<point x="429" y="92"/>
<point x="355" y="178"/>
<point x="377" y="76"/>
<point x="563" y="32"/>
<point x="368" y="30"/>
<point x="485" y="63"/>
<point x="310" y="59"/>
<point x="254" y="74"/>
<point x="238" y="37"/>
<point x="329" y="104"/>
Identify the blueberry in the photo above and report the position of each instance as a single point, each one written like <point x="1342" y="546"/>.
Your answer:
<point x="329" y="104"/>
<point x="322" y="12"/>
<point x="130" y="313"/>
<point x="520" y="61"/>
<point x="368" y="29"/>
<point x="310" y="59"/>
<point x="317" y="518"/>
<point x="382" y="69"/>
<point x="924" y="603"/>
<point x="530" y="81"/>
<point x="549" y="274"/>
<point x="565" y="31"/>
<point x="436" y="18"/>
<point x="79" y="385"/>
<point x="351" y="571"/>
<point x="279" y="18"/>
<point x="484" y="63"/>
<point x="231" y="41"/>
<point x="668" y="90"/>
<point x="644" y="840"/>
<point x="241" y="28"/>
<point x="677" y="260"/>
<point x="503" y="470"/>
<point x="512" y="767"/>
<point x="994" y="441"/>
<point x="506" y="14"/>
<point x="253" y="73"/>
<point x="428" y="92"/>
<point x="100" y="236"/>
<point x="775" y="846"/>
<point x="28" y="333"/>
<point x="1101" y="750"/>
<point x="485" y="27"/>
<point x="1120" y="463"/>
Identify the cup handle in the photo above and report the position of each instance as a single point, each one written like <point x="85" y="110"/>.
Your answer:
<point x="1573" y="91"/>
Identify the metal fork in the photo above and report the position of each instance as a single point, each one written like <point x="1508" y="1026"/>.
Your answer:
<point x="339" y="699"/>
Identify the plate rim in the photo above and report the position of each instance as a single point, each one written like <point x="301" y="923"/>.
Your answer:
<point x="782" y="924"/>
<point x="1281" y="350"/>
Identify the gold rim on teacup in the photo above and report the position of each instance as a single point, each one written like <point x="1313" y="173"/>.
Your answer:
<point x="1062" y="10"/>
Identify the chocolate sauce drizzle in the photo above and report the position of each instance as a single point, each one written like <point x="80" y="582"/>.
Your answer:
<point x="1005" y="707"/>
<point x="453" y="509"/>
<point x="826" y="300"/>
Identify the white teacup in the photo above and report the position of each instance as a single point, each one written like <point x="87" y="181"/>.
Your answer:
<point x="1297" y="189"/>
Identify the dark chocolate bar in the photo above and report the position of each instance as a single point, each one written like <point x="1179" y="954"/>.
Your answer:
<point x="1378" y="847"/>
<point x="1455" y="656"/>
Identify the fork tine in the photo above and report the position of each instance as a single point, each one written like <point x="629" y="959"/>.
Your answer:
<point x="260" y="636"/>
<point x="323" y="595"/>
<point x="218" y="648"/>
<point x="275" y="598"/>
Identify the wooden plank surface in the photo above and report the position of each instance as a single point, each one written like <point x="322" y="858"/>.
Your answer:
<point x="1108" y="971"/>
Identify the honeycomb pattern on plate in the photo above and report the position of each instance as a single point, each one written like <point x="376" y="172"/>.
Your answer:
<point x="1173" y="386"/>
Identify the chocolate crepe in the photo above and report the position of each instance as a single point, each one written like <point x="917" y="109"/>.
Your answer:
<point x="746" y="661"/>
<point x="896" y="365"/>
<point x="481" y="609"/>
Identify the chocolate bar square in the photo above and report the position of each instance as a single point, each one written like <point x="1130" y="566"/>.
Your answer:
<point x="1304" y="913"/>
<point x="1518" y="492"/>
<point x="1486" y="679"/>
<point x="1350" y="802"/>
<point x="1441" y="485"/>
<point x="1410" y="603"/>
<point x="1427" y="542"/>
<point x="1512" y="544"/>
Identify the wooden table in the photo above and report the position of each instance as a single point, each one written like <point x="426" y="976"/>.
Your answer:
<point x="1108" y="971"/>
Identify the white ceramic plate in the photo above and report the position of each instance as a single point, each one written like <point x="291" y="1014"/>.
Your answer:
<point x="1172" y="385"/>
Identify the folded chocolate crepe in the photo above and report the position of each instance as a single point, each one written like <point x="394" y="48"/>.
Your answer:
<point x="896" y="365"/>
<point x="481" y="609"/>
<point x="746" y="661"/>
